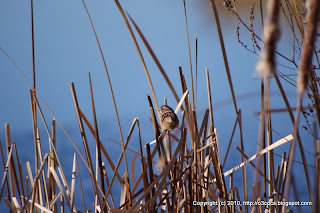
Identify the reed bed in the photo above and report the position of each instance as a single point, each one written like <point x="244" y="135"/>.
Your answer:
<point x="181" y="172"/>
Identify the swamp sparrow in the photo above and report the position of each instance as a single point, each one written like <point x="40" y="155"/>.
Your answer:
<point x="169" y="119"/>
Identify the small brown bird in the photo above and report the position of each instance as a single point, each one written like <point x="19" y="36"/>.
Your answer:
<point x="169" y="119"/>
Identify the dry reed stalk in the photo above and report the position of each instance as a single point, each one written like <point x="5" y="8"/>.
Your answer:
<point x="22" y="183"/>
<point x="46" y="105"/>
<point x="298" y="14"/>
<point x="306" y="69"/>
<point x="139" y="53"/>
<point x="230" y="140"/>
<point x="218" y="174"/>
<point x="276" y="179"/>
<point x="6" y="169"/>
<point x="11" y="207"/>
<point x="97" y="137"/>
<point x="196" y="84"/>
<point x="267" y="149"/>
<point x="34" y="183"/>
<point x="133" y="168"/>
<point x="81" y="188"/>
<point x="44" y="183"/>
<point x="85" y="144"/>
<point x="160" y="147"/>
<point x="54" y="200"/>
<point x="195" y="127"/>
<point x="209" y="98"/>
<point x="16" y="204"/>
<point x="225" y="59"/>
<point x="119" y="161"/>
<point x="33" y="52"/>
<point x="317" y="176"/>
<point x="244" y="171"/>
<point x="42" y="208"/>
<point x="128" y="191"/>
<point x="52" y="162"/>
<point x="73" y="182"/>
<point x="270" y="139"/>
<point x="254" y="166"/>
<point x="187" y="105"/>
<point x="51" y="140"/>
<point x="145" y="173"/>
<point x="108" y="183"/>
<point x="33" y="91"/>
<point x="266" y="67"/>
<point x="16" y="174"/>
<point x="103" y="149"/>
<point x="163" y="173"/>
<point x="51" y="145"/>
<point x="110" y="85"/>
<point x="189" y="51"/>
<point x="161" y="69"/>
<point x="306" y="63"/>
<point x="64" y="193"/>
<point x="131" y="150"/>
<point x="271" y="35"/>
<point x="291" y="116"/>
<point x="151" y="175"/>
<point x="308" y="44"/>
<point x="11" y="166"/>
<point x="285" y="99"/>
<point x="61" y="204"/>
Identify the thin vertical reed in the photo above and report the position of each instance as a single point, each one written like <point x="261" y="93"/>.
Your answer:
<point x="304" y="72"/>
<point x="11" y="166"/>
<point x="189" y="51"/>
<point x="119" y="161"/>
<point x="196" y="84"/>
<point x="317" y="176"/>
<point x="225" y="59"/>
<point x="4" y="169"/>
<point x="230" y="140"/>
<point x="4" y="179"/>
<point x="103" y="149"/>
<point x="139" y="52"/>
<point x="85" y="143"/>
<point x="97" y="137"/>
<point x="161" y="69"/>
<point x="109" y="82"/>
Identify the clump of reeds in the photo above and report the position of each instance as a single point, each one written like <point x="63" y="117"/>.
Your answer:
<point x="191" y="165"/>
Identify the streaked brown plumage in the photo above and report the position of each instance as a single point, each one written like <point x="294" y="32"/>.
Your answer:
<point x="169" y="119"/>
